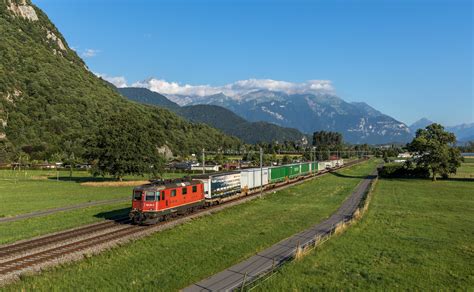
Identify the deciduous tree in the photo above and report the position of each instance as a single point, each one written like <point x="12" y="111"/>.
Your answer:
<point x="436" y="152"/>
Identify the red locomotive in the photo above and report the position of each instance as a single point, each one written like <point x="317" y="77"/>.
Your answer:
<point x="160" y="200"/>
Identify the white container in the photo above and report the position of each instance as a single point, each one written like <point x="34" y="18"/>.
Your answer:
<point x="251" y="178"/>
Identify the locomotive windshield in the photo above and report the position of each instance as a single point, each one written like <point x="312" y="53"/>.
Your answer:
<point x="137" y="195"/>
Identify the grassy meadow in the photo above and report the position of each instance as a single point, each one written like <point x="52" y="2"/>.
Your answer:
<point x="32" y="190"/>
<point x="417" y="235"/>
<point x="175" y="258"/>
<point x="467" y="169"/>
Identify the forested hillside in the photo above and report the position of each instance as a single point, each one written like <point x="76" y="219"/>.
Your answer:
<point x="217" y="117"/>
<point x="50" y="101"/>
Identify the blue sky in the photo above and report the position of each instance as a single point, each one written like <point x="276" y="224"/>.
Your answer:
<point x="408" y="59"/>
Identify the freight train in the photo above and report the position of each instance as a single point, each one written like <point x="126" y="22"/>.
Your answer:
<point x="161" y="200"/>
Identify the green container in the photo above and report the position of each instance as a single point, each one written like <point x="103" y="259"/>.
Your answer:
<point x="279" y="173"/>
<point x="305" y="168"/>
<point x="314" y="167"/>
<point x="294" y="170"/>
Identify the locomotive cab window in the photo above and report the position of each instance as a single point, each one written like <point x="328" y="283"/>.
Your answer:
<point x="195" y="188"/>
<point x="150" y="196"/>
<point x="162" y="195"/>
<point x="184" y="191"/>
<point x="137" y="196"/>
<point x="173" y="193"/>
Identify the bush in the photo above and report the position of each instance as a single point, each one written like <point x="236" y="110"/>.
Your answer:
<point x="403" y="171"/>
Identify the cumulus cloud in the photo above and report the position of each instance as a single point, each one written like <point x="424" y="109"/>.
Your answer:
<point x="89" y="53"/>
<point x="236" y="89"/>
<point x="118" y="81"/>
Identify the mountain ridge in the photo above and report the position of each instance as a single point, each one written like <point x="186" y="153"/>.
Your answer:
<point x="310" y="112"/>
<point x="218" y="117"/>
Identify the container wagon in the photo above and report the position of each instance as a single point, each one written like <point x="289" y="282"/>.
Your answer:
<point x="252" y="178"/>
<point x="305" y="168"/>
<point x="220" y="187"/>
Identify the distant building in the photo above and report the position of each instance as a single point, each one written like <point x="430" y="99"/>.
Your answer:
<point x="206" y="167"/>
<point x="405" y="155"/>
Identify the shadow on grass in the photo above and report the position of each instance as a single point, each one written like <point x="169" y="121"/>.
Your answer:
<point x="116" y="215"/>
<point x="83" y="179"/>
<point x="428" y="179"/>
<point x="457" y="179"/>
<point x="348" y="176"/>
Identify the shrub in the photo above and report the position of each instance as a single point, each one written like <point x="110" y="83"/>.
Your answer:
<point x="403" y="171"/>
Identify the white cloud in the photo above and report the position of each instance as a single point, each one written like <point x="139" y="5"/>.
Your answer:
<point x="236" y="89"/>
<point x="89" y="53"/>
<point x="118" y="81"/>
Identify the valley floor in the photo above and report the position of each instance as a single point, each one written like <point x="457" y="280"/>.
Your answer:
<point x="175" y="258"/>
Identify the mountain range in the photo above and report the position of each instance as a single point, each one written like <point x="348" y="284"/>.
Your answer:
<point x="217" y="117"/>
<point x="308" y="112"/>
<point x="463" y="132"/>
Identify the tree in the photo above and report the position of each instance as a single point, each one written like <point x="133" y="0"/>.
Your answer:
<point x="327" y="139"/>
<point x="436" y="152"/>
<point x="123" y="146"/>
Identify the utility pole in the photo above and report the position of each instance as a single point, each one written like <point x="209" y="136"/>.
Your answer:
<point x="203" y="161"/>
<point x="261" y="171"/>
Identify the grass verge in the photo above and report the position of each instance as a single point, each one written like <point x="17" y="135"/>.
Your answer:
<point x="174" y="258"/>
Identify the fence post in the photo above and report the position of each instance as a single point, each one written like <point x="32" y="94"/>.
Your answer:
<point x="243" y="282"/>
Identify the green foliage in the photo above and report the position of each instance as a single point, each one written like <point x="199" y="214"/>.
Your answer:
<point x="327" y="139"/>
<point x="403" y="170"/>
<point x="52" y="102"/>
<point x="123" y="146"/>
<point x="436" y="151"/>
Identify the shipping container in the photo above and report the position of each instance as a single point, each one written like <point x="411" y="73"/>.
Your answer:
<point x="219" y="185"/>
<point x="294" y="170"/>
<point x="305" y="168"/>
<point x="278" y="173"/>
<point x="314" y="167"/>
<point x="250" y="178"/>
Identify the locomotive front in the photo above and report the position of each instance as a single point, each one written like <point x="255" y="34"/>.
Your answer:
<point x="159" y="201"/>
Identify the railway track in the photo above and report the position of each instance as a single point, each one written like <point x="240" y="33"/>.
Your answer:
<point x="36" y="253"/>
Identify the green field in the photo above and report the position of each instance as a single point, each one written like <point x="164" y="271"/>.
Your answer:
<point x="174" y="258"/>
<point x="27" y="228"/>
<point x="417" y="235"/>
<point x="33" y="190"/>
<point x="467" y="168"/>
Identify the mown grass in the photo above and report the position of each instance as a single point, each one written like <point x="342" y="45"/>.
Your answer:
<point x="175" y="258"/>
<point x="417" y="235"/>
<point x="33" y="190"/>
<point x="467" y="169"/>
<point x="27" y="228"/>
